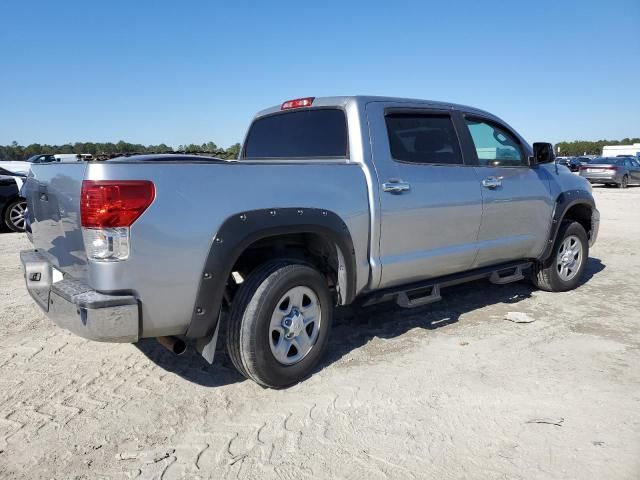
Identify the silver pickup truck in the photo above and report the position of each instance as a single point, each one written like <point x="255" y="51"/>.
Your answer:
<point x="332" y="201"/>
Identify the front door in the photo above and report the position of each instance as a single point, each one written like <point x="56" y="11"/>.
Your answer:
<point x="517" y="202"/>
<point x="430" y="201"/>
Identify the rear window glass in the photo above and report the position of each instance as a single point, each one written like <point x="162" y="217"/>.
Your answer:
<point x="606" y="161"/>
<point x="313" y="133"/>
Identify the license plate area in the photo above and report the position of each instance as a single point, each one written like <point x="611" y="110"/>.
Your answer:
<point x="39" y="277"/>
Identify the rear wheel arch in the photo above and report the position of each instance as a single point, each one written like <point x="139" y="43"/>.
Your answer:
<point x="246" y="240"/>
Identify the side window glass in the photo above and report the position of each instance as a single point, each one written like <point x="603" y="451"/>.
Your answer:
<point x="422" y="138"/>
<point x="495" y="146"/>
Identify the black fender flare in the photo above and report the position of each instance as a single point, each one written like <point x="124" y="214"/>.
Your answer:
<point x="564" y="202"/>
<point x="241" y="230"/>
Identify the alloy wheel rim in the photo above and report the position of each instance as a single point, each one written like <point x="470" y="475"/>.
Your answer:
<point x="569" y="258"/>
<point x="295" y="325"/>
<point x="17" y="215"/>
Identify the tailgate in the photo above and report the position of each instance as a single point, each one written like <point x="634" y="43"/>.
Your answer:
<point x="53" y="199"/>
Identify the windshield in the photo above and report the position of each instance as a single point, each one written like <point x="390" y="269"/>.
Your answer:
<point x="41" y="159"/>
<point x="4" y="171"/>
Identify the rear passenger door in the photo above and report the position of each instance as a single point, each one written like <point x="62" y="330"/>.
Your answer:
<point x="430" y="201"/>
<point x="517" y="202"/>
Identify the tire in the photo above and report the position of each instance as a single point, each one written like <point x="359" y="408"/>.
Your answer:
<point x="14" y="215"/>
<point x="552" y="277"/>
<point x="624" y="183"/>
<point x="256" y="331"/>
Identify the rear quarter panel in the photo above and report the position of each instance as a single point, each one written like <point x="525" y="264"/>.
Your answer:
<point x="170" y="241"/>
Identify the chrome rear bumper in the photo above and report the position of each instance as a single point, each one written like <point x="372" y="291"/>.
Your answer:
<point x="78" y="308"/>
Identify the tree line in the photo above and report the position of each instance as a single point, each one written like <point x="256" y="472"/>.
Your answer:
<point x="585" y="147"/>
<point x="19" y="152"/>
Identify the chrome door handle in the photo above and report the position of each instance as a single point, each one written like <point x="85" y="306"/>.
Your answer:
<point x="396" y="187"/>
<point x="492" y="182"/>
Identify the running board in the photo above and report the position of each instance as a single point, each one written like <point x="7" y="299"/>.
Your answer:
<point x="428" y="291"/>
<point x="512" y="275"/>
<point x="410" y="300"/>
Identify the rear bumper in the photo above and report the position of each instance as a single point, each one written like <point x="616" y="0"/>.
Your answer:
<point x="602" y="177"/>
<point x="78" y="308"/>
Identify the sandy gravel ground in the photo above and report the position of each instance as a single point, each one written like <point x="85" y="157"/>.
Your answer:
<point x="448" y="391"/>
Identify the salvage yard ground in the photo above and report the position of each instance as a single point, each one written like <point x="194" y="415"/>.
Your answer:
<point x="493" y="382"/>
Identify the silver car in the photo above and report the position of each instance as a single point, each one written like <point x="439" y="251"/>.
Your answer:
<point x="618" y="171"/>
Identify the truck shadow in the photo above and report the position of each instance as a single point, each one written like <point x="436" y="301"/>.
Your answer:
<point x="355" y="327"/>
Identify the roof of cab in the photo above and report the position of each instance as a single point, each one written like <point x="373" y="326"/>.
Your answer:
<point x="344" y="101"/>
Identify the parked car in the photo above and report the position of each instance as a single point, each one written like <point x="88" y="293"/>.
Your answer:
<point x="333" y="201"/>
<point x="12" y="205"/>
<point x="25" y="167"/>
<point x="619" y="171"/>
<point x="572" y="163"/>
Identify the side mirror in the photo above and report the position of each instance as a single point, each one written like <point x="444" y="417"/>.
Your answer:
<point x="542" y="153"/>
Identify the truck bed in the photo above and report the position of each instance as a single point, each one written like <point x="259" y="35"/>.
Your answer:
<point x="171" y="240"/>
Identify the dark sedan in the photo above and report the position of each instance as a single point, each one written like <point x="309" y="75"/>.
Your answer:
<point x="12" y="206"/>
<point x="619" y="171"/>
<point x="572" y="163"/>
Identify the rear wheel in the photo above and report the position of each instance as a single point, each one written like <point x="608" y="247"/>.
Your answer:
<point x="624" y="183"/>
<point x="279" y="323"/>
<point x="14" y="215"/>
<point x="568" y="260"/>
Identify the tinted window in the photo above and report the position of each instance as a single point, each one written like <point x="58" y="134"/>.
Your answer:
<point x="495" y="146"/>
<point x="300" y="134"/>
<point x="423" y="139"/>
<point x="41" y="159"/>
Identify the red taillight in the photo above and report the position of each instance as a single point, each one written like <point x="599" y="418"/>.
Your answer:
<point x="297" y="103"/>
<point x="583" y="167"/>
<point x="114" y="203"/>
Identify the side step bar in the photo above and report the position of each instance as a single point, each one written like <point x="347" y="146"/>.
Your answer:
<point x="407" y="300"/>
<point x="510" y="275"/>
<point x="426" y="292"/>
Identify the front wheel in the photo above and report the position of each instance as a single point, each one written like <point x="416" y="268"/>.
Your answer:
<point x="568" y="260"/>
<point x="279" y="323"/>
<point x="14" y="215"/>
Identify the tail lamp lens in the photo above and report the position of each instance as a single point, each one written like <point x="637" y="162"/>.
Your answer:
<point x="109" y="204"/>
<point x="107" y="209"/>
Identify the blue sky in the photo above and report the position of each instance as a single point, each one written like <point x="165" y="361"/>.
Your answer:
<point x="193" y="71"/>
